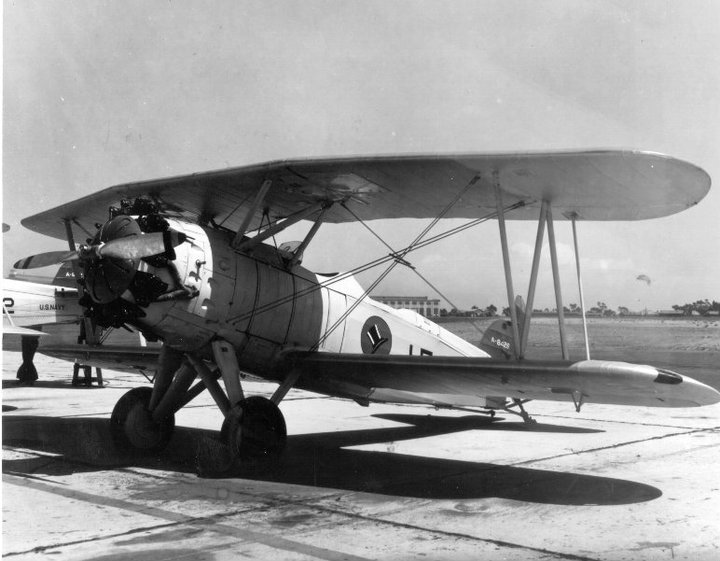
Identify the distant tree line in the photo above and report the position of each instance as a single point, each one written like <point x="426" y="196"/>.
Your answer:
<point x="702" y="307"/>
<point x="573" y="309"/>
<point x="474" y="311"/>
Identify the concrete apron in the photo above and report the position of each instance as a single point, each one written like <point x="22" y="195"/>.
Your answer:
<point x="384" y="482"/>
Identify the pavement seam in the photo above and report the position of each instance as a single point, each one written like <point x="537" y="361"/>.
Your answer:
<point x="612" y="446"/>
<point x="43" y="548"/>
<point x="660" y="425"/>
<point x="35" y="477"/>
<point x="378" y="520"/>
<point x="310" y="504"/>
<point x="273" y="541"/>
<point x="257" y="537"/>
<point x="342" y="513"/>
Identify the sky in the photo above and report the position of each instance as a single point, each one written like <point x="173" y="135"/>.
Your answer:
<point x="98" y="93"/>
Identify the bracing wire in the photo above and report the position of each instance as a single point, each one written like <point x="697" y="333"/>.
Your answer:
<point x="399" y="257"/>
<point x="413" y="269"/>
<point x="374" y="263"/>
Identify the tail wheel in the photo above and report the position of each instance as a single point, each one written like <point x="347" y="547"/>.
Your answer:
<point x="132" y="427"/>
<point x="255" y="430"/>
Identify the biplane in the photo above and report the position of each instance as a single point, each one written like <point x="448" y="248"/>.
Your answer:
<point x="43" y="316"/>
<point x="184" y="260"/>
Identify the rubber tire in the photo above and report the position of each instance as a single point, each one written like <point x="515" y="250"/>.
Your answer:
<point x="132" y="427"/>
<point x="214" y="459"/>
<point x="255" y="431"/>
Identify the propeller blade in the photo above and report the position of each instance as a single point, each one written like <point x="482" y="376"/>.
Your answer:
<point x="45" y="259"/>
<point x="145" y="245"/>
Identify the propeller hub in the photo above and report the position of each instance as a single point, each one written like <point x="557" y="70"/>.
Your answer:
<point x="107" y="278"/>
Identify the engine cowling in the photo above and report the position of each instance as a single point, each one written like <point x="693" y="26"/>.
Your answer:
<point x="120" y="265"/>
<point x="201" y="290"/>
<point x="106" y="279"/>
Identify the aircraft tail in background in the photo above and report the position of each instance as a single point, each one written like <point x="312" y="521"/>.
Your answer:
<point x="498" y="340"/>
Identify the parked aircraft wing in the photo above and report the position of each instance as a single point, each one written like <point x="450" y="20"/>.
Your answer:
<point x="113" y="357"/>
<point x="592" y="185"/>
<point x="445" y="380"/>
<point x="10" y="331"/>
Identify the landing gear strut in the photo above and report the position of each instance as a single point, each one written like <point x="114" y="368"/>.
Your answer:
<point x="521" y="411"/>
<point x="27" y="374"/>
<point x="253" y="434"/>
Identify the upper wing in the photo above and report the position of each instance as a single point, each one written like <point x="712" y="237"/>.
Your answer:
<point x="464" y="380"/>
<point x="597" y="185"/>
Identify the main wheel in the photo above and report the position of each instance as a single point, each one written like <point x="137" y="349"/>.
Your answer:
<point x="132" y="427"/>
<point x="255" y="431"/>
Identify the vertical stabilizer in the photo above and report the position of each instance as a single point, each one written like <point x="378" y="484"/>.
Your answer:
<point x="498" y="340"/>
<point x="65" y="276"/>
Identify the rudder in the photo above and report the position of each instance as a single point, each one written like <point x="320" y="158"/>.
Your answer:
<point x="498" y="340"/>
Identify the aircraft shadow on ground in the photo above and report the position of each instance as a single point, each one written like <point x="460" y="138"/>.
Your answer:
<point x="323" y="460"/>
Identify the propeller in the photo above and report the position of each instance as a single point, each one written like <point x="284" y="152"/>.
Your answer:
<point x="138" y="246"/>
<point x="111" y="259"/>
<point x="131" y="247"/>
<point x="44" y="259"/>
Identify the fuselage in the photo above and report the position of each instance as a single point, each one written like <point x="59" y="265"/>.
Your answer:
<point x="55" y="311"/>
<point x="29" y="304"/>
<point x="251" y="299"/>
<point x="262" y="307"/>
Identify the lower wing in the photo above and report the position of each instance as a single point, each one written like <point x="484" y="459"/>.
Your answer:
<point x="126" y="359"/>
<point x="464" y="381"/>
